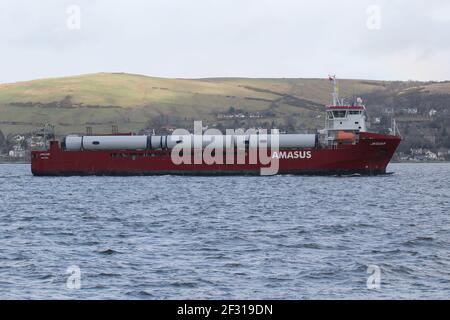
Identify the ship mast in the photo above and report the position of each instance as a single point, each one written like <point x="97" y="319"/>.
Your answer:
<point x="335" y="94"/>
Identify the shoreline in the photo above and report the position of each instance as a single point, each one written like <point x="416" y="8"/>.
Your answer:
<point x="447" y="161"/>
<point x="15" y="162"/>
<point x="392" y="162"/>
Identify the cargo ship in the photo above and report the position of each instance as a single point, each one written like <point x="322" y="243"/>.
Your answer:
<point x="343" y="147"/>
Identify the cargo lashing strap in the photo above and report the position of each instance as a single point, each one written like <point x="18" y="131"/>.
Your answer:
<point x="162" y="142"/>
<point x="149" y="142"/>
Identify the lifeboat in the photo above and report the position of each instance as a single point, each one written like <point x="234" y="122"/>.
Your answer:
<point x="345" y="136"/>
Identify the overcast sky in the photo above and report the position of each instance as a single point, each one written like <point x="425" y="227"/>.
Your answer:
<point x="376" y="39"/>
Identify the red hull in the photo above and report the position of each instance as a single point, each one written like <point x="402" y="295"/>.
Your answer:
<point x="370" y="155"/>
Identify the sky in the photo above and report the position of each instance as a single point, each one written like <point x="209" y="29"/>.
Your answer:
<point x="360" y="39"/>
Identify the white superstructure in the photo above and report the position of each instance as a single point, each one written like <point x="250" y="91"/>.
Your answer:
<point x="341" y="117"/>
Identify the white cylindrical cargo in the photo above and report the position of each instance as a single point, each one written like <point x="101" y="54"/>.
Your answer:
<point x="199" y="141"/>
<point x="204" y="141"/>
<point x="284" y="141"/>
<point x="156" y="142"/>
<point x="297" y="140"/>
<point x="114" y="142"/>
<point x="217" y="141"/>
<point x="73" y="143"/>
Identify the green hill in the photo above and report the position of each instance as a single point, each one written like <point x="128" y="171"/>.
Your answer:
<point x="100" y="100"/>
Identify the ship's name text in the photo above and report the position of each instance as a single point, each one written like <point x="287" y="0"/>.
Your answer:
<point x="292" y="155"/>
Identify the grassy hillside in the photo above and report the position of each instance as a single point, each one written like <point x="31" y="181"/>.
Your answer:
<point x="99" y="100"/>
<point x="132" y="101"/>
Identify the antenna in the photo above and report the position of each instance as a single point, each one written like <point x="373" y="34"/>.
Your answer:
<point x="335" y="94"/>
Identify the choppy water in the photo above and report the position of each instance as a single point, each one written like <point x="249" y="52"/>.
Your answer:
<point x="226" y="237"/>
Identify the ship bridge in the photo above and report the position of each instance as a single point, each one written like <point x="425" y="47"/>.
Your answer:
<point x="343" y="117"/>
<point x="346" y="118"/>
<point x="344" y="122"/>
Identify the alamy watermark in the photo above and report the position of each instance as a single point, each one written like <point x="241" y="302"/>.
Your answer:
<point x="74" y="279"/>
<point x="374" y="280"/>
<point x="73" y="17"/>
<point x="249" y="148"/>
<point x="373" y="21"/>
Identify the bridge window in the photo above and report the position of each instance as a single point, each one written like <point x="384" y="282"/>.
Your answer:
<point x="353" y="112"/>
<point x="340" y="114"/>
<point x="330" y="115"/>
